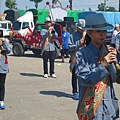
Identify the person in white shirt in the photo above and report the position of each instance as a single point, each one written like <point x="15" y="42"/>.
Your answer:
<point x="115" y="32"/>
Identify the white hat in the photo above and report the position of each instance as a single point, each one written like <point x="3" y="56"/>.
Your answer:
<point x="96" y="21"/>
<point x="47" y="19"/>
<point x="80" y="24"/>
<point x="117" y="25"/>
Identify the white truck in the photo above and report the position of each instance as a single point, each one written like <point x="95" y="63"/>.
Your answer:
<point x="5" y="26"/>
<point x="23" y="22"/>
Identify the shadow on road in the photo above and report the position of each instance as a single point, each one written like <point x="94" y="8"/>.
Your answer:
<point x="31" y="75"/>
<point x="56" y="93"/>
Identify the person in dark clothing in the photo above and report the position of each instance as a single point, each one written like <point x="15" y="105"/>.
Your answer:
<point x="48" y="48"/>
<point x="3" y="68"/>
<point x="75" y="42"/>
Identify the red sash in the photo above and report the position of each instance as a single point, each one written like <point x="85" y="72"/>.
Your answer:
<point x="93" y="96"/>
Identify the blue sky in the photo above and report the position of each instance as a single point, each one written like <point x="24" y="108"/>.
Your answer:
<point x="77" y="4"/>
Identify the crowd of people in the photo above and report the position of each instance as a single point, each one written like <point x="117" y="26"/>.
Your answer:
<point x="92" y="65"/>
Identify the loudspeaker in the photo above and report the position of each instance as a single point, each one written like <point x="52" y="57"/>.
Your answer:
<point x="12" y="15"/>
<point x="71" y="27"/>
<point x="70" y="19"/>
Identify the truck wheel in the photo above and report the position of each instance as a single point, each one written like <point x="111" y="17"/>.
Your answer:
<point x="57" y="52"/>
<point x="36" y="52"/>
<point x="17" y="49"/>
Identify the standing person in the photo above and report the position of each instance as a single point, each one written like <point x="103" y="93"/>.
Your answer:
<point x="54" y="2"/>
<point x="115" y="32"/>
<point x="117" y="42"/>
<point x="75" y="42"/>
<point x="4" y="45"/>
<point x="48" y="47"/>
<point x="96" y="73"/>
<point x="65" y="38"/>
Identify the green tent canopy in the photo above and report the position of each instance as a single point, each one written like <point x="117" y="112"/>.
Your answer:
<point x="42" y="14"/>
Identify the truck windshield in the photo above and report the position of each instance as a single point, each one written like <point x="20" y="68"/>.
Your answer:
<point x="3" y="25"/>
<point x="25" y="25"/>
<point x="16" y="25"/>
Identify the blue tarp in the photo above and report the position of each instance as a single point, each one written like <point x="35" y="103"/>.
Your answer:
<point x="109" y="16"/>
<point x="117" y="17"/>
<point x="84" y="14"/>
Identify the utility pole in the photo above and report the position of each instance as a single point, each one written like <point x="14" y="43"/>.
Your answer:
<point x="70" y="1"/>
<point x="104" y="5"/>
<point x="119" y="5"/>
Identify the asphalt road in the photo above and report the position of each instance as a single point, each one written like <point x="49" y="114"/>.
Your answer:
<point x="29" y="96"/>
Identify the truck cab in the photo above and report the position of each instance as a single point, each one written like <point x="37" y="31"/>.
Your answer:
<point x="22" y="23"/>
<point x="5" y="26"/>
<point x="21" y="27"/>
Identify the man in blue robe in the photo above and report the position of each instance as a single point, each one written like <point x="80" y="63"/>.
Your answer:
<point x="96" y="72"/>
<point x="74" y="43"/>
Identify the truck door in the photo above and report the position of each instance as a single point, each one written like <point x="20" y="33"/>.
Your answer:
<point x="36" y="37"/>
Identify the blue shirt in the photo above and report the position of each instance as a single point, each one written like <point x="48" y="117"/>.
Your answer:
<point x="89" y="73"/>
<point x="65" y="38"/>
<point x="74" y="42"/>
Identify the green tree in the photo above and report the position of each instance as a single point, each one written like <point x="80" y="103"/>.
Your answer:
<point x="36" y="2"/>
<point x="109" y="8"/>
<point x="102" y="7"/>
<point x="11" y="4"/>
